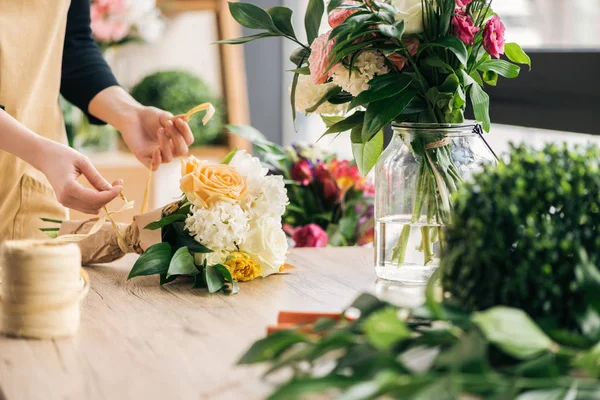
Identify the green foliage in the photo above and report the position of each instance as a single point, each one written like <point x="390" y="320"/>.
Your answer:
<point x="180" y="255"/>
<point x="525" y="234"/>
<point x="178" y="92"/>
<point x="416" y="89"/>
<point x="396" y="353"/>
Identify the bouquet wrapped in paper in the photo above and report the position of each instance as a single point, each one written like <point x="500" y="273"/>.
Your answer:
<point x="226" y="228"/>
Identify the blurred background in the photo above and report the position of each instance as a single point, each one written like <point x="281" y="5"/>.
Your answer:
<point x="167" y="59"/>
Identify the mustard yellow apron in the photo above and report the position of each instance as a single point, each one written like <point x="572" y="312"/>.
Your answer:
<point x="31" y="46"/>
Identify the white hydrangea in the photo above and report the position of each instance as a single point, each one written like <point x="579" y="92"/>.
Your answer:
<point x="308" y="94"/>
<point x="368" y="65"/>
<point x="271" y="200"/>
<point x="266" y="195"/>
<point x="251" y="169"/>
<point x="222" y="228"/>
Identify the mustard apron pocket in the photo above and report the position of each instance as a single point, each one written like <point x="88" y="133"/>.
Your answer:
<point x="37" y="200"/>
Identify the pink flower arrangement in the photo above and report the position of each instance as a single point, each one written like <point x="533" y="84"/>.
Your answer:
<point x="339" y="15"/>
<point x="311" y="235"/>
<point x="302" y="172"/>
<point x="330" y="201"/>
<point x="319" y="58"/>
<point x="493" y="37"/>
<point x="107" y="22"/>
<point x="117" y="21"/>
<point x="464" y="28"/>
<point x="463" y="3"/>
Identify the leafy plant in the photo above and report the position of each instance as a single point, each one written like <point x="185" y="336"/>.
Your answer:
<point x="177" y="92"/>
<point x="526" y="235"/>
<point x="517" y="316"/>
<point x="432" y="352"/>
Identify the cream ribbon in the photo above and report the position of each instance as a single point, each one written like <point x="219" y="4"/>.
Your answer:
<point x="43" y="285"/>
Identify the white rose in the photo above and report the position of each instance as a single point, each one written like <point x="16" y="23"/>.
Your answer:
<point x="266" y="244"/>
<point x="411" y="11"/>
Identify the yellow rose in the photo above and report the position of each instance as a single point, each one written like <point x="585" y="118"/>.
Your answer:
<point x="241" y="267"/>
<point x="205" y="184"/>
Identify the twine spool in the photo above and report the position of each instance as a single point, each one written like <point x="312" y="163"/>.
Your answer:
<point x="41" y="288"/>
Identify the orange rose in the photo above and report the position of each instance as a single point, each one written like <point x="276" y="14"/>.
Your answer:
<point x="205" y="184"/>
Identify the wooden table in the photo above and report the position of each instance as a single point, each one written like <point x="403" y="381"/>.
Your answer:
<point x="141" y="341"/>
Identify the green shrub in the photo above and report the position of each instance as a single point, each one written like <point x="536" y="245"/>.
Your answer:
<point x="526" y="235"/>
<point x="177" y="92"/>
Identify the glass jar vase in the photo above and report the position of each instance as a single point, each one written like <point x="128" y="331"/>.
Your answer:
<point x="415" y="179"/>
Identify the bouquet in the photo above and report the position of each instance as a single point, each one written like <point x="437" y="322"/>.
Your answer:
<point x="226" y="228"/>
<point x="395" y="61"/>
<point x="115" y="22"/>
<point x="330" y="202"/>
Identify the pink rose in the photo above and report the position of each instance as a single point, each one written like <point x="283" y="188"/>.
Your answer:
<point x="302" y="172"/>
<point x="493" y="37"/>
<point x="321" y="49"/>
<point x="339" y="15"/>
<point x="464" y="28"/>
<point x="463" y="3"/>
<point x="311" y="235"/>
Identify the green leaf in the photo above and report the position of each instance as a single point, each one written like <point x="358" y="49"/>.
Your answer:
<point x="476" y="78"/>
<point x="515" y="53"/>
<point x="282" y="18"/>
<point x="367" y="304"/>
<point x="178" y="237"/>
<point x="501" y="67"/>
<point x="293" y="95"/>
<point x="214" y="279"/>
<point x="299" y="55"/>
<point x="366" y="154"/>
<point x="153" y="261"/>
<point x="382" y="112"/>
<point x="182" y="263"/>
<point x="248" y="132"/>
<point x="347" y="124"/>
<point x="330" y="120"/>
<point x="490" y="77"/>
<point x="348" y="226"/>
<point x="251" y="16"/>
<point x="227" y="159"/>
<point x="383" y="329"/>
<point x="246" y="39"/>
<point x="164" y="280"/>
<point x="164" y="221"/>
<point x="300" y="387"/>
<point x="393" y="31"/>
<point x="301" y="71"/>
<point x="382" y="87"/>
<point x="312" y="21"/>
<point x="330" y="93"/>
<point x="481" y="106"/>
<point x="271" y="347"/>
<point x="235" y="287"/>
<point x="456" y="46"/>
<point x="333" y="4"/>
<point x="513" y="331"/>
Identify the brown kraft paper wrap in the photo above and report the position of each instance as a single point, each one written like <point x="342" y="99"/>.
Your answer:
<point x="103" y="246"/>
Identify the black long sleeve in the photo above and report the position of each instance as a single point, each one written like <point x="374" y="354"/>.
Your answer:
<point x="85" y="73"/>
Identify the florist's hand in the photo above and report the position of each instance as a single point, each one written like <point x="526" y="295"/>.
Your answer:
<point x="155" y="136"/>
<point x="62" y="166"/>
